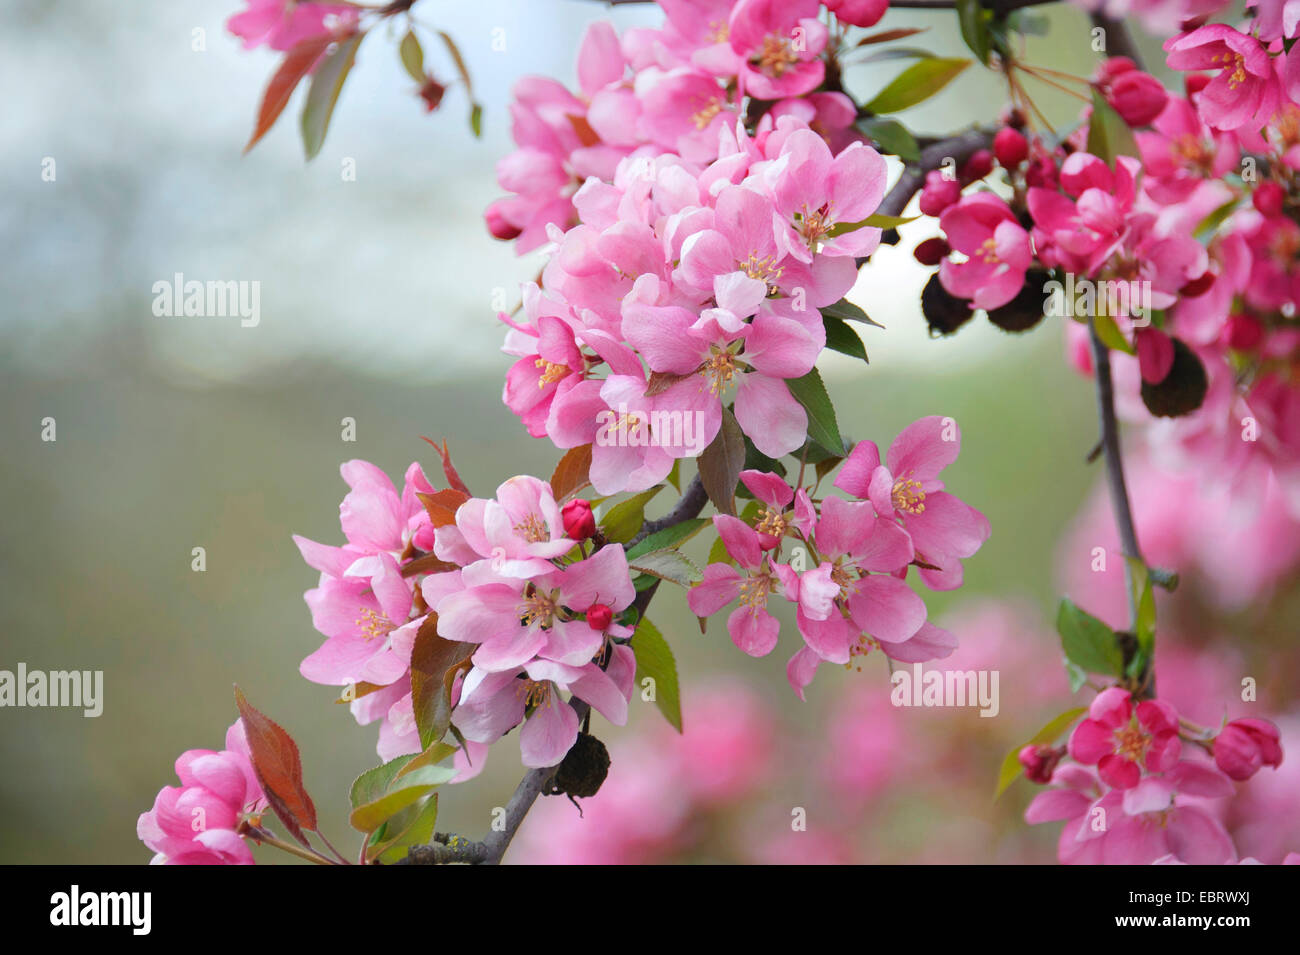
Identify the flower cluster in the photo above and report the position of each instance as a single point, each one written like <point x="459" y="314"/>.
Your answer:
<point x="1142" y="802"/>
<point x="848" y="560"/>
<point x="198" y="822"/>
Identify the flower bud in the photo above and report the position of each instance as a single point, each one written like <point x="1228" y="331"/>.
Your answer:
<point x="498" y="225"/>
<point x="938" y="193"/>
<point x="977" y="167"/>
<point x="1138" y="97"/>
<point x="1193" y="83"/>
<point x="859" y="13"/>
<point x="599" y="617"/>
<point x="1040" y="762"/>
<point x="432" y="92"/>
<point x="1115" y="66"/>
<point x="579" y="522"/>
<point x="1268" y="198"/>
<point x="1243" y="746"/>
<point x="1010" y="147"/>
<point x="1243" y="332"/>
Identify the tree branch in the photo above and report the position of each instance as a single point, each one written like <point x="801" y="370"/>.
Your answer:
<point x="692" y="502"/>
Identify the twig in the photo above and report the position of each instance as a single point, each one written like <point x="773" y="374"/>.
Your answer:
<point x="959" y="148"/>
<point x="692" y="502"/>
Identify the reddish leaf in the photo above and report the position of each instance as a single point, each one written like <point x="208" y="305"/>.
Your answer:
<point x="572" y="473"/>
<point x="428" y="564"/>
<point x="297" y="63"/>
<point x="442" y="505"/>
<point x="278" y="768"/>
<point x="884" y="36"/>
<point x="432" y="660"/>
<point x="449" y="469"/>
<point x="661" y="381"/>
<point x="721" y="463"/>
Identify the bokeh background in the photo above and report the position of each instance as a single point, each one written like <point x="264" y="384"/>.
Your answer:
<point x="376" y="300"/>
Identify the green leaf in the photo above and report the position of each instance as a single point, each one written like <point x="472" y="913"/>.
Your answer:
<point x="326" y="85"/>
<point x="898" y="53"/>
<point x="667" y="565"/>
<point x="850" y="313"/>
<point x="654" y="660"/>
<point x="669" y="537"/>
<point x="402" y="790"/>
<point x="916" y="84"/>
<point x="1087" y="642"/>
<point x="1110" y="334"/>
<point x="373" y="783"/>
<point x="892" y="137"/>
<point x="412" y="55"/>
<point x="810" y="392"/>
<point x="872" y="221"/>
<point x="413" y="826"/>
<point x="721" y="463"/>
<point x="974" y="22"/>
<point x="1142" y="597"/>
<point x="841" y="337"/>
<point x="718" y="553"/>
<point x="476" y="110"/>
<point x="626" y="517"/>
<point x="1011" y="767"/>
<point x="1108" y="135"/>
<point x="476" y="121"/>
<point x="1211" y="222"/>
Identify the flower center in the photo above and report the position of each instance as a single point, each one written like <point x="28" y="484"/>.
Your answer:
<point x="1131" y="742"/>
<point x="988" y="250"/>
<point x="907" y="496"/>
<point x="374" y="625"/>
<point x="754" y="591"/>
<point x="1234" y="62"/>
<point x="538" y="608"/>
<point x="719" y="370"/>
<point x="705" y="115"/>
<point x="761" y="267"/>
<point x="536" y="693"/>
<point x="842" y="576"/>
<point x="814" y="226"/>
<point x="719" y="32"/>
<point x="551" y="372"/>
<point x="771" y="522"/>
<point x="532" y="529"/>
<point x="777" y="55"/>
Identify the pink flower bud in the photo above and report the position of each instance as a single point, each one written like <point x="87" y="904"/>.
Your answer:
<point x="977" y="167"/>
<point x="1268" y="198"/>
<point x="1243" y="332"/>
<point x="1138" y="97"/>
<point x="1040" y="762"/>
<point x="859" y="13"/>
<point x="932" y="251"/>
<point x="1243" y="746"/>
<point x="938" y="194"/>
<point x="1010" y="147"/>
<point x="498" y="225"/>
<point x="1193" y="83"/>
<point x="579" y="522"/>
<point x="599" y="617"/>
<point x="1115" y="66"/>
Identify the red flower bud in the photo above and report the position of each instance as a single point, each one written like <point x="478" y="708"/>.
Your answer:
<point x="938" y="193"/>
<point x="432" y="92"/>
<point x="1198" y="286"/>
<point x="1138" y="97"/>
<point x="1115" y="66"/>
<point x="1011" y="147"/>
<point x="1040" y="762"/>
<point x="1193" y="83"/>
<point x="579" y="522"/>
<point x="977" y="167"/>
<point x="599" y="617"/>
<point x="1268" y="198"/>
<point x="859" y="13"/>
<point x="1243" y="746"/>
<point x="932" y="251"/>
<point x="1243" y="332"/>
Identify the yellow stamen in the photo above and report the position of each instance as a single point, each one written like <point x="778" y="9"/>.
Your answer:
<point x="907" y="496"/>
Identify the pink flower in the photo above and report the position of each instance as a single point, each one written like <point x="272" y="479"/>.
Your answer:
<point x="195" y="823"/>
<point x="494" y="702"/>
<point x="1246" y="88"/>
<point x="283" y="24"/>
<point x="1244" y="745"/>
<point x="752" y="627"/>
<point x="984" y="229"/>
<point x="781" y="42"/>
<point x="906" y="488"/>
<point x="1120" y="739"/>
<point x="520" y="530"/>
<point x="815" y="191"/>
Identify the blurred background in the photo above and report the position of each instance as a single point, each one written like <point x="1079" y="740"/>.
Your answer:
<point x="176" y="433"/>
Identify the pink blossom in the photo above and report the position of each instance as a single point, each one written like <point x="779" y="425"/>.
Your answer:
<point x="752" y="627"/>
<point x="1245" y="90"/>
<point x="1121" y="739"/>
<point x="906" y="488"/>
<point x="195" y="823"/>
<point x="984" y="229"/>
<point x="283" y="24"/>
<point x="1245" y="745"/>
<point x="780" y="42"/>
